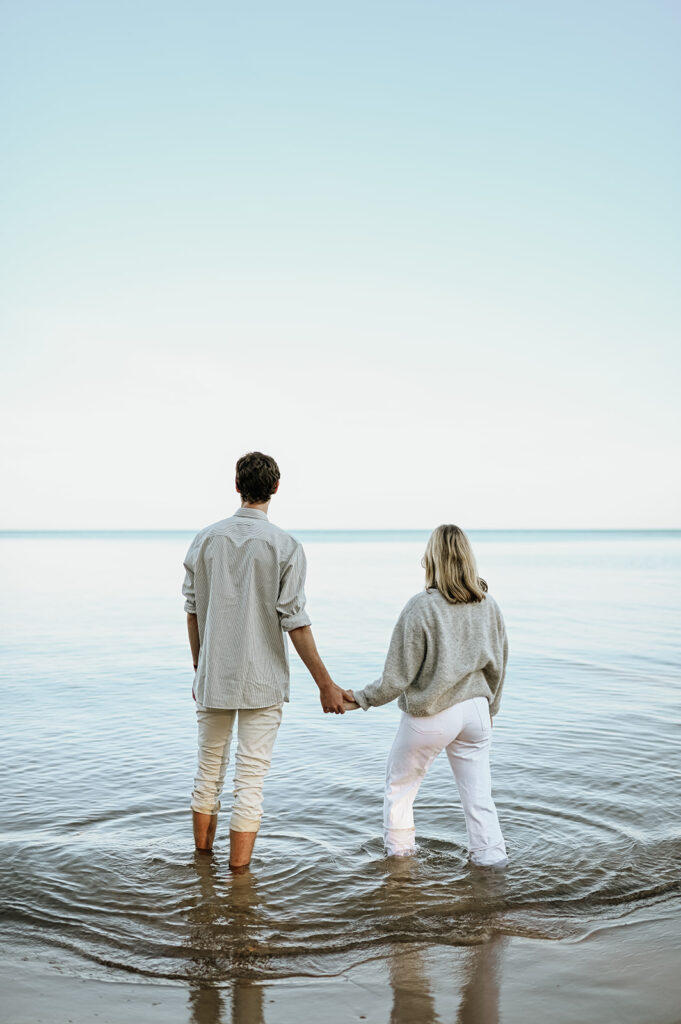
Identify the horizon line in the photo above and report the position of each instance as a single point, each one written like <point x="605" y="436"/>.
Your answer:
<point x="344" y="529"/>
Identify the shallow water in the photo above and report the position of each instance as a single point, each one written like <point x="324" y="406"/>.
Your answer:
<point x="99" y="753"/>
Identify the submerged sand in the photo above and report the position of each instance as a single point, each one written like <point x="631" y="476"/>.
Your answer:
<point x="624" y="972"/>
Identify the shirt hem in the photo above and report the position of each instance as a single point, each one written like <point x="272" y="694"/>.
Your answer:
<point x="242" y="707"/>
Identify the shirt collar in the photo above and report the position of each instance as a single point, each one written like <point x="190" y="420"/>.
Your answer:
<point x="250" y="513"/>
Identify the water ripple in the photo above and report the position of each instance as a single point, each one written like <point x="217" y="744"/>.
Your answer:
<point x="96" y="844"/>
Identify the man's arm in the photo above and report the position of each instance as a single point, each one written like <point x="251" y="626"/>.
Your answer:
<point x="194" y="639"/>
<point x="330" y="695"/>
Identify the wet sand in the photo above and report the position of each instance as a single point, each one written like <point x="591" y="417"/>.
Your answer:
<point x="624" y="972"/>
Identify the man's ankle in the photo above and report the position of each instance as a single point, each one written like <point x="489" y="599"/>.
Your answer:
<point x="240" y="849"/>
<point x="204" y="830"/>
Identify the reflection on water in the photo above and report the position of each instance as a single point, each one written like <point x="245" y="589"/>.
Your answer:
<point x="412" y="996"/>
<point x="207" y="1005"/>
<point x="412" y="990"/>
<point x="478" y="996"/>
<point x="225" y="929"/>
<point x="96" y="847"/>
<point x="480" y="992"/>
<point x="222" y="943"/>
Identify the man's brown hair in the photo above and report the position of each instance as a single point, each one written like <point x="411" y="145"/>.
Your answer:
<point x="257" y="476"/>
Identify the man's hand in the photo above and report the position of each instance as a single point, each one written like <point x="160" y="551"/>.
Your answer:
<point x="333" y="698"/>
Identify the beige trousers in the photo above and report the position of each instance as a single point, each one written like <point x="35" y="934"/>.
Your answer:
<point x="256" y="732"/>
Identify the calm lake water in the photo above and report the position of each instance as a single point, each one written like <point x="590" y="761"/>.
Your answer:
<point x="99" y="752"/>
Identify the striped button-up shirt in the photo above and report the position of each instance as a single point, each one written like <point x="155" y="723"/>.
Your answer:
<point x="245" y="584"/>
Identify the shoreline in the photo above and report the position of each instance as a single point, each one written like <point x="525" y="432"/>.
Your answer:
<point x="624" y="972"/>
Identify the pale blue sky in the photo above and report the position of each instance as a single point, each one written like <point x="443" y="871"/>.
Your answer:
<point x="426" y="254"/>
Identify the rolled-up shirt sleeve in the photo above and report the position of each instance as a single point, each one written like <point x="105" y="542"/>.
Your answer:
<point x="188" y="585"/>
<point x="291" y="602"/>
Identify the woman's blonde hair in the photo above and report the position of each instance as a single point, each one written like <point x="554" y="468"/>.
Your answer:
<point x="450" y="566"/>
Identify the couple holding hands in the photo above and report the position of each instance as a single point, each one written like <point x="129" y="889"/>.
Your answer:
<point x="244" y="588"/>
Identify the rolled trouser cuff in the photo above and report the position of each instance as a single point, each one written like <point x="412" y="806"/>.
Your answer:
<point x="399" y="841"/>
<point x="203" y="806"/>
<point x="240" y="824"/>
<point x="489" y="856"/>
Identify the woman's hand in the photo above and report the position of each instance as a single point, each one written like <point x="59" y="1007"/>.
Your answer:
<point x="349" y="703"/>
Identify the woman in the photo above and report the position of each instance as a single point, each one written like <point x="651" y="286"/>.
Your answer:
<point x="446" y="664"/>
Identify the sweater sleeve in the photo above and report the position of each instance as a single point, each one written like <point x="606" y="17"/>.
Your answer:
<point x="403" y="662"/>
<point x="495" y="669"/>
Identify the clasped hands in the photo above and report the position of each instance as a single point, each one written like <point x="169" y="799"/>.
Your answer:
<point x="336" y="701"/>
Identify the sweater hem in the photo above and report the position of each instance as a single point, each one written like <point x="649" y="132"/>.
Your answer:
<point x="441" y="705"/>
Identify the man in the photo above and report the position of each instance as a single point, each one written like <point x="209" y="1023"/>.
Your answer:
<point x="244" y="589"/>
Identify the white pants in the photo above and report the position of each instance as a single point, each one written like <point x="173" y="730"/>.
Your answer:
<point x="256" y="732"/>
<point x="464" y="731"/>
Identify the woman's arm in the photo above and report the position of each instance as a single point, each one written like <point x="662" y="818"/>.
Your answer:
<point x="402" y="664"/>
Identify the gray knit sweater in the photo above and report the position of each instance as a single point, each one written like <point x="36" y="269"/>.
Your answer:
<point x="441" y="654"/>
